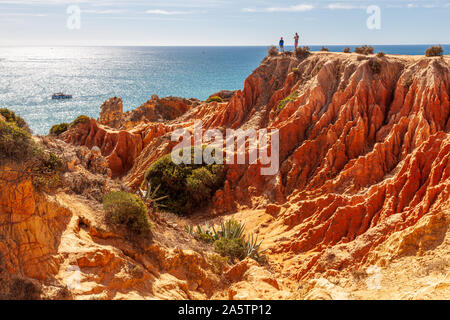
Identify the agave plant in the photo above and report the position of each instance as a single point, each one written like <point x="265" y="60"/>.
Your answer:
<point x="232" y="229"/>
<point x="149" y="196"/>
<point x="206" y="234"/>
<point x="229" y="230"/>
<point x="252" y="247"/>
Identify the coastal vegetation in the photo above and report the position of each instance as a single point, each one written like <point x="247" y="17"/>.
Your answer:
<point x="347" y="50"/>
<point x="434" y="51"/>
<point x="286" y="100"/>
<point x="58" y="129"/>
<point x="16" y="143"/>
<point x="365" y="49"/>
<point x="214" y="98"/>
<point x="185" y="187"/>
<point x="272" y="51"/>
<point x="302" y="53"/>
<point x="128" y="210"/>
<point x="229" y="240"/>
<point x="325" y="49"/>
<point x="79" y="120"/>
<point x="17" y="147"/>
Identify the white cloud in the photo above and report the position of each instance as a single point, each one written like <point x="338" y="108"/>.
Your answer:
<point x="166" y="13"/>
<point x="296" y="8"/>
<point x="23" y="14"/>
<point x="300" y="7"/>
<point x="342" y="6"/>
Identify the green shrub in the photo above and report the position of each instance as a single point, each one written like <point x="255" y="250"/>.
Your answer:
<point x="128" y="210"/>
<point x="46" y="171"/>
<point x="11" y="117"/>
<point x="272" y="51"/>
<point x="286" y="100"/>
<point x="325" y="49"/>
<point x="214" y="98"/>
<point x="347" y="50"/>
<point x="57" y="129"/>
<point x="374" y="66"/>
<point x="302" y="53"/>
<point x="434" y="51"/>
<point x="233" y="248"/>
<point x="79" y="120"/>
<point x="229" y="240"/>
<point x="16" y="143"/>
<point x="218" y="262"/>
<point x="187" y="186"/>
<point x="364" y="50"/>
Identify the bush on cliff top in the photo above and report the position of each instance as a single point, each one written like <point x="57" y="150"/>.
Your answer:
<point x="364" y="50"/>
<point x="79" y="120"/>
<point x="302" y="53"/>
<point x="272" y="51"/>
<point x="128" y="210"/>
<point x="58" y="129"/>
<point x="214" y="98"/>
<point x="347" y="50"/>
<point x="16" y="143"/>
<point x="187" y="186"/>
<point x="11" y="117"/>
<point x="434" y="51"/>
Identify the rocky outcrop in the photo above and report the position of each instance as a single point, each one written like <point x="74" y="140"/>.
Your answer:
<point x="154" y="110"/>
<point x="225" y="95"/>
<point x="119" y="147"/>
<point x="111" y="113"/>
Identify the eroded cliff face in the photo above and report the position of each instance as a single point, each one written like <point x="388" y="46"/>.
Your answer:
<point x="363" y="190"/>
<point x="62" y="246"/>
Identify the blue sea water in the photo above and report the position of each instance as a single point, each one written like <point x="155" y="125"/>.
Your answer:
<point x="29" y="76"/>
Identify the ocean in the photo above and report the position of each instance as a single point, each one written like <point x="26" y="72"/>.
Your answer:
<point x="29" y="76"/>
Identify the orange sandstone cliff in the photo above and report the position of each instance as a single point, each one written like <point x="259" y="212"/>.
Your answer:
<point x="360" y="207"/>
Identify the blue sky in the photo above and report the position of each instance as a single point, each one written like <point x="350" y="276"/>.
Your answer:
<point x="222" y="22"/>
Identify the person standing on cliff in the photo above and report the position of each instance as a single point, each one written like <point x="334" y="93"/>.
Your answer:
<point x="296" y="37"/>
<point x="281" y="44"/>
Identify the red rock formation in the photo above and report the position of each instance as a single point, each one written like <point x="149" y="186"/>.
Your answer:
<point x="111" y="113"/>
<point x="120" y="147"/>
<point x="362" y="154"/>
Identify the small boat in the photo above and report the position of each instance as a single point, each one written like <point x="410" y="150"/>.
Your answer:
<point x="61" y="95"/>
